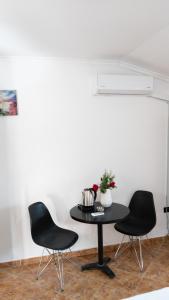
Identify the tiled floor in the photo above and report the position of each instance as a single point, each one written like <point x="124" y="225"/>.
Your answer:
<point x="19" y="283"/>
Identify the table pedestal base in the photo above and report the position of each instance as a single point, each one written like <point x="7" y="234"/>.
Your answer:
<point x="102" y="267"/>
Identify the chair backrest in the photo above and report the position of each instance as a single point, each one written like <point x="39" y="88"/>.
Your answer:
<point x="40" y="219"/>
<point x="142" y="206"/>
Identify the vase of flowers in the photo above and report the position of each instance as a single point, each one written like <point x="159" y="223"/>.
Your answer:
<point x="106" y="185"/>
<point x="106" y="198"/>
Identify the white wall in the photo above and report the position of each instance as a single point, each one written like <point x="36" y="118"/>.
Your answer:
<point x="62" y="141"/>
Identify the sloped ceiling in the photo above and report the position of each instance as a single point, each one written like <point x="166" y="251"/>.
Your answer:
<point x="135" y="31"/>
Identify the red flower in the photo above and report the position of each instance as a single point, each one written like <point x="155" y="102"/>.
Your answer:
<point x="95" y="187"/>
<point x="112" y="184"/>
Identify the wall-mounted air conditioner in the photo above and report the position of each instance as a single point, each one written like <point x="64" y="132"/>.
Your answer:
<point x="124" y="84"/>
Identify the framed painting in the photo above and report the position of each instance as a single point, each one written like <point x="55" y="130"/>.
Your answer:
<point x="8" y="103"/>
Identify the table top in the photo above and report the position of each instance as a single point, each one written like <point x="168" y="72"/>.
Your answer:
<point x="113" y="214"/>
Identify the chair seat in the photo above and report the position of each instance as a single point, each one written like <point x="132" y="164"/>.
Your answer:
<point x="134" y="226"/>
<point x="56" y="238"/>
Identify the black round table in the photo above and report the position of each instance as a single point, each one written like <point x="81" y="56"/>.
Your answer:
<point x="115" y="213"/>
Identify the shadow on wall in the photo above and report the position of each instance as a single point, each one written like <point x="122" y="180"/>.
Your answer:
<point x="5" y="218"/>
<point x="16" y="220"/>
<point x="58" y="209"/>
<point x="6" y="235"/>
<point x="11" y="245"/>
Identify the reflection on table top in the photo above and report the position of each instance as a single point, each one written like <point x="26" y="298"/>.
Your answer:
<point x="113" y="214"/>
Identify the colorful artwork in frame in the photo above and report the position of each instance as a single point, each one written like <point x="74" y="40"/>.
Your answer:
<point x="8" y="103"/>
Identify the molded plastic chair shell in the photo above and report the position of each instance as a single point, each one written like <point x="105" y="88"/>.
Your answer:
<point x="142" y="217"/>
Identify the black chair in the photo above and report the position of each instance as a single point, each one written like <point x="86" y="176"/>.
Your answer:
<point x="140" y="222"/>
<point x="54" y="239"/>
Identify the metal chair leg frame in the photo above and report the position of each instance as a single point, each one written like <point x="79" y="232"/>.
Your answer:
<point x="59" y="268"/>
<point x="71" y="261"/>
<point x="39" y="273"/>
<point x="118" y="252"/>
<point x="57" y="257"/>
<point x="140" y="256"/>
<point x="132" y="243"/>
